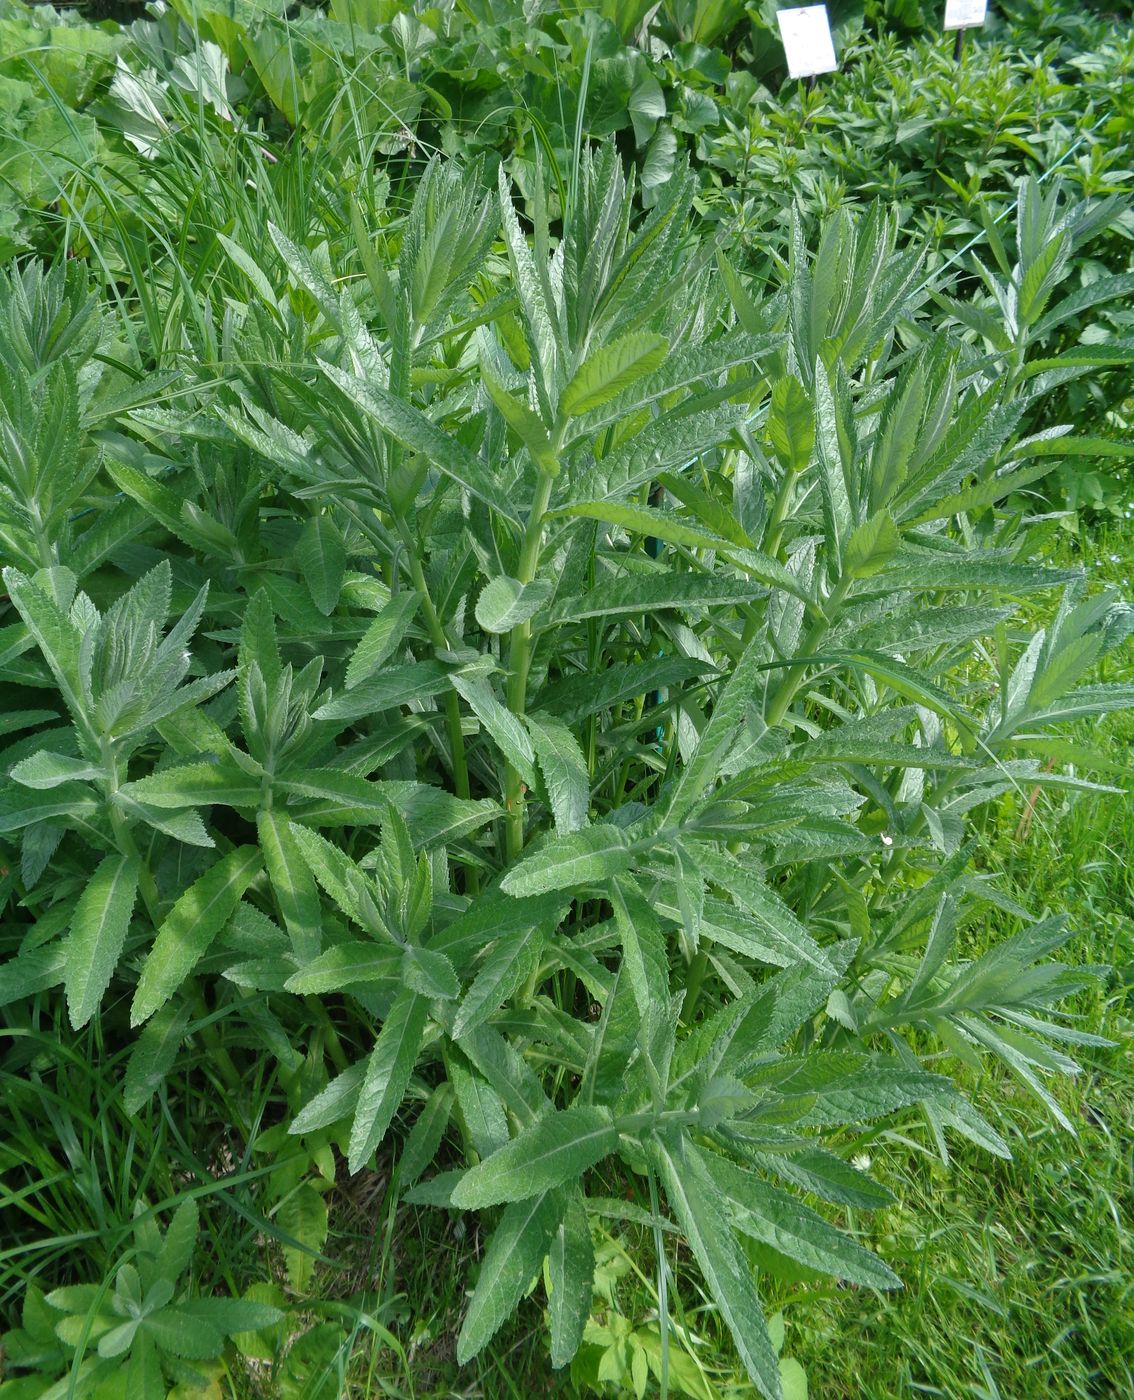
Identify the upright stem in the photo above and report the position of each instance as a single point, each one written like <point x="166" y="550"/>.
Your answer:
<point x="519" y="659"/>
<point x="779" y="515"/>
<point x="786" y="691"/>
<point x="124" y="837"/>
<point x="452" y="703"/>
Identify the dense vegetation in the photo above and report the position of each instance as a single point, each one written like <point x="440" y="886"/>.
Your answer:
<point x="546" y="660"/>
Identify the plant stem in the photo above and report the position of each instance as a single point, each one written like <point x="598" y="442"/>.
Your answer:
<point x="452" y="702"/>
<point x="124" y="837"/>
<point x="694" y="981"/>
<point x="519" y="659"/>
<point x="791" y="682"/>
<point x="779" y="515"/>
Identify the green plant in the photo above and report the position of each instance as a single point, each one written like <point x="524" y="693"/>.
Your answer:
<point x="140" y="1323"/>
<point x="512" y="839"/>
<point x="52" y="64"/>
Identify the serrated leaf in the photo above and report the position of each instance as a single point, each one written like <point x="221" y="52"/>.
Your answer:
<point x="655" y="592"/>
<point x="778" y="1220"/>
<point x="506" y="602"/>
<point x="564" y="772"/>
<point x="387" y="1074"/>
<point x="502" y="973"/>
<point x="98" y="931"/>
<point x="54" y="634"/>
<point x="578" y="696"/>
<point x="552" y="1151"/>
<point x="585" y="857"/>
<point x="176" y="1253"/>
<point x="411" y="427"/>
<point x="292" y="884"/>
<point x="512" y="1259"/>
<point x="396" y="686"/>
<point x="181" y="1334"/>
<point x="251" y="269"/>
<point x="826" y="1176"/>
<point x="571" y="1267"/>
<point x="490" y="918"/>
<point x="774" y="921"/>
<point x="196" y="785"/>
<point x="425" y="1136"/>
<point x="430" y="974"/>
<point x="791" y="424"/>
<point x="322" y="560"/>
<point x="609" y="370"/>
<point x="345" y="965"/>
<point x="528" y="426"/>
<point x="303" y="1215"/>
<point x="949" y="570"/>
<point x="703" y="1215"/>
<point x="189" y="928"/>
<point x="332" y="1104"/>
<point x="45" y="770"/>
<point x="872" y="545"/>
<point x="506" y="729"/>
<point x="382" y="638"/>
<point x="153" y="1055"/>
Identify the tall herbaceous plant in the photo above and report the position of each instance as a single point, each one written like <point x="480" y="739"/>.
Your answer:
<point x="539" y="691"/>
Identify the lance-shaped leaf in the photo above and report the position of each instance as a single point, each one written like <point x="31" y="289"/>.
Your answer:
<point x="610" y="369"/>
<point x="775" y="1218"/>
<point x="387" y="1075"/>
<point x="332" y="1104"/>
<point x="555" y="1149"/>
<point x="505" y="602"/>
<point x="382" y="638"/>
<point x="956" y="569"/>
<point x="506" y="968"/>
<point x="410" y="427"/>
<point x="511" y="1261"/>
<point x="189" y="928"/>
<point x="55" y="634"/>
<point x="45" y="770"/>
<point x="791" y="424"/>
<point x="399" y="685"/>
<point x="98" y="931"/>
<point x="664" y="525"/>
<point x="429" y="973"/>
<point x="322" y="561"/>
<point x="348" y="885"/>
<point x="585" y="857"/>
<point x="505" y="728"/>
<point x="197" y="785"/>
<point x="872" y="545"/>
<point x="703" y="1214"/>
<point x="773" y="919"/>
<point x="154" y="1054"/>
<point x="33" y="970"/>
<point x="645" y="960"/>
<point x="292" y="884"/>
<point x="564" y="772"/>
<point x="653" y="592"/>
<point x="528" y="426"/>
<point x="490" y="919"/>
<point x="571" y="1269"/>
<point x="347" y="965"/>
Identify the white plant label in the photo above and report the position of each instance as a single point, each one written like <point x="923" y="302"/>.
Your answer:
<point x="806" y="36"/>
<point x="965" y="14"/>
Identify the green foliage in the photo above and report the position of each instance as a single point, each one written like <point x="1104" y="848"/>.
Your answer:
<point x="141" y="1332"/>
<point x="584" y="674"/>
<point x="590" y="661"/>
